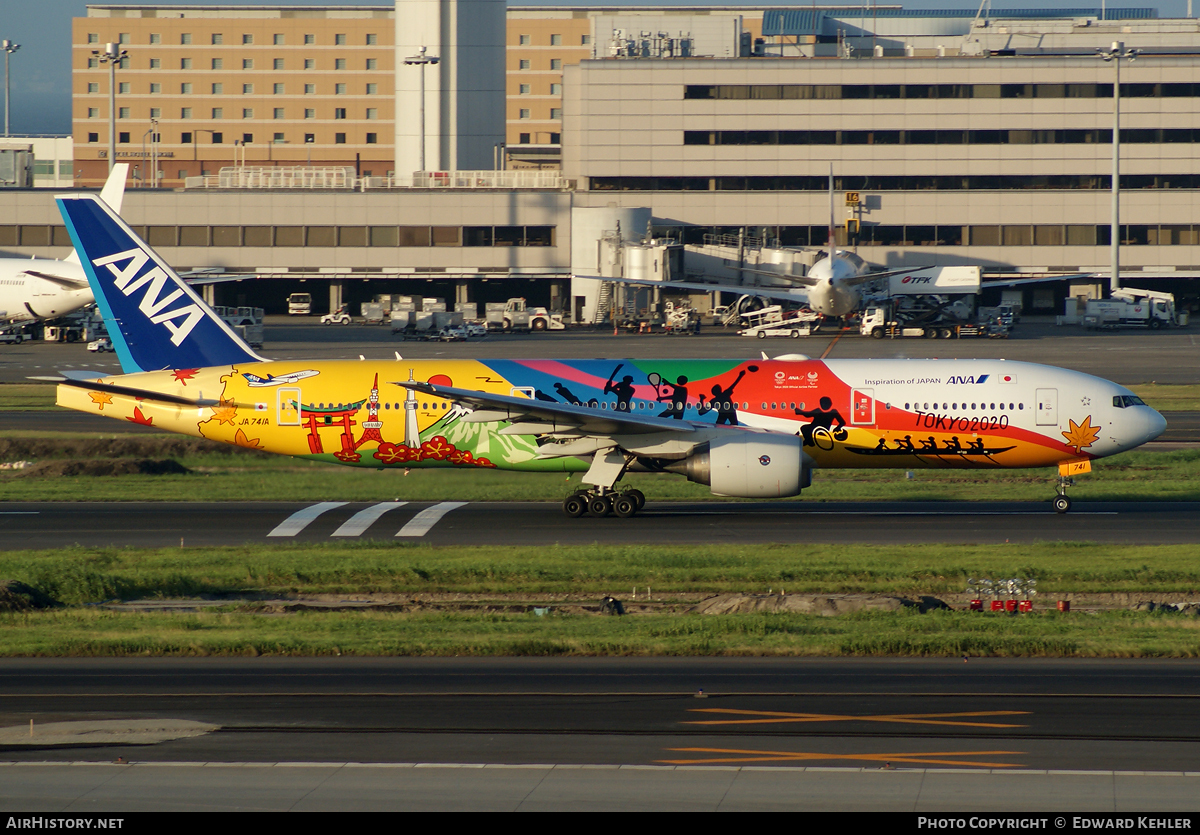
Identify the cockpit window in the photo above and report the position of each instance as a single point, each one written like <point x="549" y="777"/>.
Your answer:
<point x="1123" y="400"/>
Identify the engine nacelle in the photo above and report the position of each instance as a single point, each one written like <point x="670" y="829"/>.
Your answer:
<point x="751" y="466"/>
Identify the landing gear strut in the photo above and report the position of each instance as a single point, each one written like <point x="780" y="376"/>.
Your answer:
<point x="1061" y="502"/>
<point x="600" y="501"/>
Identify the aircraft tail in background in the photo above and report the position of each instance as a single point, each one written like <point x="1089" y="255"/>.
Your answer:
<point x="156" y="321"/>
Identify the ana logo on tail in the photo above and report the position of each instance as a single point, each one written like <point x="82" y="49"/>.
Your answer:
<point x="153" y="303"/>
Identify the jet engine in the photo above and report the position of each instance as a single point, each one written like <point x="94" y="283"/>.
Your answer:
<point x="753" y="465"/>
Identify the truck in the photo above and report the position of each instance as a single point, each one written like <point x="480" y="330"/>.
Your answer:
<point x="300" y="304"/>
<point x="773" y="321"/>
<point x="516" y="315"/>
<point x="930" y="317"/>
<point x="1130" y="308"/>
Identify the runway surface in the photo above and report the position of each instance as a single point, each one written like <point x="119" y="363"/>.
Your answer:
<point x="42" y="525"/>
<point x="1013" y="734"/>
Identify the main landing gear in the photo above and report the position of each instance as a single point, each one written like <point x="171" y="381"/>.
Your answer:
<point x="600" y="501"/>
<point x="1061" y="502"/>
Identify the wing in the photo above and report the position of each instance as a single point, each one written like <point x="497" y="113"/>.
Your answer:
<point x="60" y="280"/>
<point x="578" y="430"/>
<point x="865" y="277"/>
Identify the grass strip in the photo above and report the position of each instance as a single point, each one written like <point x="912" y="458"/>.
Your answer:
<point x="79" y="576"/>
<point x="229" y="474"/>
<point x="91" y="632"/>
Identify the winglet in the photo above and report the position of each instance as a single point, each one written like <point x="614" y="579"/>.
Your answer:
<point x="154" y="318"/>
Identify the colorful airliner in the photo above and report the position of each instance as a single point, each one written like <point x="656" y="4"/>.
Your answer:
<point x="745" y="428"/>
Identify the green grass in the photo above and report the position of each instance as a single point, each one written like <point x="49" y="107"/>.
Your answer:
<point x="26" y="397"/>
<point x="102" y="633"/>
<point x="78" y="576"/>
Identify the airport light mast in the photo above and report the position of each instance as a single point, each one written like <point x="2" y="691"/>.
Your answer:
<point x="422" y="60"/>
<point x="9" y="48"/>
<point x="1114" y="55"/>
<point x="112" y="55"/>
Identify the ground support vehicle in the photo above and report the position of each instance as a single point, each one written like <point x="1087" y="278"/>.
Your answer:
<point x="516" y="315"/>
<point x="773" y="321"/>
<point x="338" y="317"/>
<point x="1132" y="308"/>
<point x="300" y="304"/>
<point x="100" y="346"/>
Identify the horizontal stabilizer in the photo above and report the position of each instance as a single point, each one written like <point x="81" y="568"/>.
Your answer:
<point x="143" y="394"/>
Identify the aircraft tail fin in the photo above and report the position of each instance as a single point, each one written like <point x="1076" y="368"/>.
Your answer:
<point x="113" y="194"/>
<point x="156" y="321"/>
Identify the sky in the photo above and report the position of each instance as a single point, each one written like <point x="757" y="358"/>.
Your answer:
<point x="41" y="70"/>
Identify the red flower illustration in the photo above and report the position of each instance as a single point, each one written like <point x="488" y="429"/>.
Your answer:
<point x="390" y="453"/>
<point x="483" y="462"/>
<point x="347" y="455"/>
<point x="436" y="448"/>
<point x="461" y="456"/>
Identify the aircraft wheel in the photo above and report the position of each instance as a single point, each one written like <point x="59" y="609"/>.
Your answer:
<point x="762" y="334"/>
<point x="625" y="506"/>
<point x="575" y="506"/>
<point x="1061" y="504"/>
<point x="599" y="506"/>
<point x="638" y="496"/>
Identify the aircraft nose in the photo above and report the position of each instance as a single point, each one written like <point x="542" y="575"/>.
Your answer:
<point x="1146" y="424"/>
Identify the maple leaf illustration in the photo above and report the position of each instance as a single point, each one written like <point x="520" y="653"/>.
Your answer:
<point x="1082" y="435"/>
<point x="225" y="411"/>
<point x="101" y="398"/>
<point x="182" y="375"/>
<point x="250" y="443"/>
<point x="138" y="417"/>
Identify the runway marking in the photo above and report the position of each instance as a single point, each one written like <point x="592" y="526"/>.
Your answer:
<point x="420" y="524"/>
<point x="19" y="512"/>
<point x="782" y="717"/>
<point x="801" y="514"/>
<point x="929" y="758"/>
<point x="362" y="520"/>
<point x="300" y="520"/>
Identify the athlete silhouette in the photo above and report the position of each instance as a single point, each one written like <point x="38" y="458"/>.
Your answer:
<point x="723" y="403"/>
<point x="565" y="394"/>
<point x="624" y="390"/>
<point x="822" y="417"/>
<point x="678" y="397"/>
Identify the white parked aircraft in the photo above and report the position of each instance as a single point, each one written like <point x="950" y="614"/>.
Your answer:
<point x="829" y="288"/>
<point x="43" y="288"/>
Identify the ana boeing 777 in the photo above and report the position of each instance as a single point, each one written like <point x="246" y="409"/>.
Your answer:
<point x="744" y="428"/>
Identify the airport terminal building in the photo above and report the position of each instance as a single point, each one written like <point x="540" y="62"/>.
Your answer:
<point x="953" y="139"/>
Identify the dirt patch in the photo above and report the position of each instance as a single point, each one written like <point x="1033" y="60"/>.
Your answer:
<point x="134" y="446"/>
<point x="826" y="605"/>
<point x="102" y="467"/>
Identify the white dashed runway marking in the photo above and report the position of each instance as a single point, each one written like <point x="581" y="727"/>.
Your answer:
<point x="300" y="520"/>
<point x="427" y="518"/>
<point x="359" y="522"/>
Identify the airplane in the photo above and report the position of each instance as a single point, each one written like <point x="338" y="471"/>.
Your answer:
<point x="753" y="429"/>
<point x="43" y="288"/>
<point x="830" y="287"/>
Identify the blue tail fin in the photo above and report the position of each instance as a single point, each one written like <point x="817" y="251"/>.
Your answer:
<point x="155" y="319"/>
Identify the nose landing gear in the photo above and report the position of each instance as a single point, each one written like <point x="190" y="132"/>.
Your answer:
<point x="1061" y="502"/>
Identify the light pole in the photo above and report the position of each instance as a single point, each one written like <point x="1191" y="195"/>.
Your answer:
<point x="153" y="127"/>
<point x="9" y="48"/>
<point x="422" y="60"/>
<point x="112" y="55"/>
<point x="1114" y="55"/>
